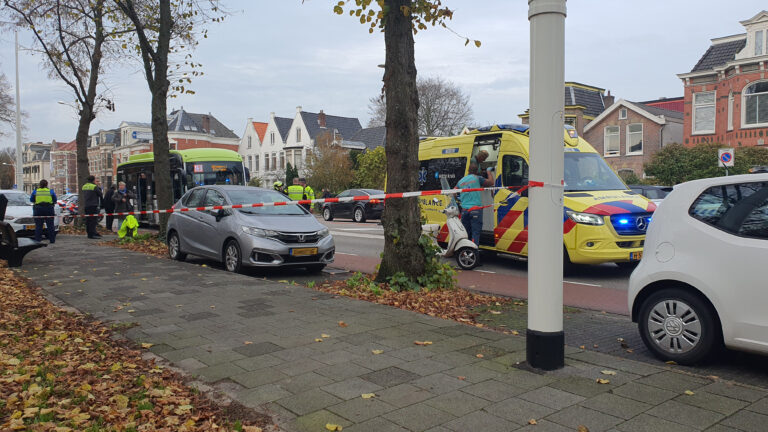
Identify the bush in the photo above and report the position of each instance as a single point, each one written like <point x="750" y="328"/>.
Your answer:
<point x="676" y="163"/>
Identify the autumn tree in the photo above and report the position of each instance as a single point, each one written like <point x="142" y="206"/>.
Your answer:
<point x="329" y="165"/>
<point x="7" y="104"/>
<point x="7" y="162"/>
<point x="163" y="28"/>
<point x="371" y="169"/>
<point x="444" y="108"/>
<point x="75" y="38"/>
<point x="400" y="20"/>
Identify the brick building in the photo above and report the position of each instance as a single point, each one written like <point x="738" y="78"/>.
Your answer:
<point x="64" y="164"/>
<point x="627" y="133"/>
<point x="100" y="160"/>
<point x="726" y="92"/>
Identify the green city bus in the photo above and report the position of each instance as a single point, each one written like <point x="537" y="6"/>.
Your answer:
<point x="189" y="168"/>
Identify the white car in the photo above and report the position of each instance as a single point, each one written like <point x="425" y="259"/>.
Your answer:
<point x="19" y="213"/>
<point x="703" y="278"/>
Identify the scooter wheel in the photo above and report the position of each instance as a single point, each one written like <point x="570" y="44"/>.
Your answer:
<point x="467" y="258"/>
<point x="67" y="220"/>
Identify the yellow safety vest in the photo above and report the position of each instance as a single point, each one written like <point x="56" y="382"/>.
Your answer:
<point x="43" y="196"/>
<point x="309" y="193"/>
<point x="295" y="192"/>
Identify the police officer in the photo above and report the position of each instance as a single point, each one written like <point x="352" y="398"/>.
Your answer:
<point x="295" y="191"/>
<point x="91" y="197"/>
<point x="278" y="186"/>
<point x="43" y="199"/>
<point x="309" y="193"/>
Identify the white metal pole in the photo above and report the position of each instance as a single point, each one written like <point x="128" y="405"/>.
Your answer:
<point x="19" y="162"/>
<point x="544" y="337"/>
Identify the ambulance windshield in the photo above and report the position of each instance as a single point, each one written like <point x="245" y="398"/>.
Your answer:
<point x="589" y="172"/>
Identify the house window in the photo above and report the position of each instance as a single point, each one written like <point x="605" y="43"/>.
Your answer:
<point x="274" y="161"/>
<point x="256" y="163"/>
<point x="266" y="162"/>
<point x="704" y="112"/>
<point x="272" y="138"/>
<point x="759" y="42"/>
<point x="611" y="142"/>
<point x="730" y="111"/>
<point x="298" y="135"/>
<point x="622" y="114"/>
<point x="296" y="158"/>
<point x="756" y="104"/>
<point x="249" y="142"/>
<point x="635" y="138"/>
<point x="249" y="163"/>
<point x="282" y="160"/>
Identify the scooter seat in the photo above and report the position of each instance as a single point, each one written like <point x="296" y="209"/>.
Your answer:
<point x="430" y="229"/>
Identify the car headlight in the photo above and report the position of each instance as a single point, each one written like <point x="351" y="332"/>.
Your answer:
<point x="323" y="233"/>
<point x="585" y="218"/>
<point x="258" y="232"/>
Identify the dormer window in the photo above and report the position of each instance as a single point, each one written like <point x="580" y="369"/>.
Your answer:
<point x="622" y="114"/>
<point x="759" y="42"/>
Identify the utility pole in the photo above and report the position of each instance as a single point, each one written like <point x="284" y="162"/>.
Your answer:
<point x="544" y="336"/>
<point x="19" y="161"/>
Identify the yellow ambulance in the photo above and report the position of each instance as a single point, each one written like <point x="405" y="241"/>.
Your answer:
<point x="603" y="221"/>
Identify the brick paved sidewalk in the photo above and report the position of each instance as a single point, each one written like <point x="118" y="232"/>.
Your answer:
<point x="260" y="336"/>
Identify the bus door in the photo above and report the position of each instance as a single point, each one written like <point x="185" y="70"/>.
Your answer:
<point x="511" y="232"/>
<point x="489" y="144"/>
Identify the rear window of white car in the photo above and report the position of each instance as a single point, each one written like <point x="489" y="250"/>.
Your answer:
<point x="740" y="209"/>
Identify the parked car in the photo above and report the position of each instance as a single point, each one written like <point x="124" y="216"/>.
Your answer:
<point x="270" y="236"/>
<point x="702" y="281"/>
<point x="358" y="211"/>
<point x="19" y="213"/>
<point x="653" y="193"/>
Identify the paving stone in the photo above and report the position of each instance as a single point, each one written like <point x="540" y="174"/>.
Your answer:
<point x="580" y="386"/>
<point x="473" y="373"/>
<point x="257" y="349"/>
<point x="351" y="388"/>
<point x="616" y="405"/>
<point x="760" y="406"/>
<point x="220" y="356"/>
<point x="735" y="391"/>
<point x="551" y="397"/>
<point x="199" y="316"/>
<point x="644" y="393"/>
<point x="519" y="411"/>
<point x="575" y="416"/>
<point x="377" y="361"/>
<point x="378" y="424"/>
<point x="298" y="367"/>
<point x="525" y="379"/>
<point x="258" y="362"/>
<point x="686" y="414"/>
<point x="188" y="342"/>
<point x="260" y="395"/>
<point x="418" y="417"/>
<point x="390" y="377"/>
<point x="674" y="381"/>
<point x="713" y="402"/>
<point x="404" y="395"/>
<point x="747" y="421"/>
<point x="424" y="367"/>
<point x="440" y="383"/>
<point x="493" y="390"/>
<point x="647" y="423"/>
<point x="457" y="403"/>
<point x="341" y="372"/>
<point x="258" y="377"/>
<point x="292" y="354"/>
<point x="304" y="382"/>
<point x="411" y="353"/>
<point x="309" y="401"/>
<point x="544" y="426"/>
<point x="190" y="364"/>
<point x="220" y="371"/>
<point x="317" y="420"/>
<point x="358" y="409"/>
<point x="721" y="428"/>
<point x="511" y="359"/>
<point x="479" y="421"/>
<point x="336" y="357"/>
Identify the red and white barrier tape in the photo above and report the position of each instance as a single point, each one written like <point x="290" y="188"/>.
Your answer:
<point x="515" y="189"/>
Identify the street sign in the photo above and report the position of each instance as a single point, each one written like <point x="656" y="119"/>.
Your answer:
<point x="725" y="157"/>
<point x="141" y="135"/>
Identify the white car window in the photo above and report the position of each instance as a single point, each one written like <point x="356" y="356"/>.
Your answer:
<point x="740" y="209"/>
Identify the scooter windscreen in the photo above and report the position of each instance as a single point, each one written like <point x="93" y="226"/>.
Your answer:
<point x="444" y="184"/>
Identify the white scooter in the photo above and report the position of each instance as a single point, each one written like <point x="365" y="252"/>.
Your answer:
<point x="459" y="245"/>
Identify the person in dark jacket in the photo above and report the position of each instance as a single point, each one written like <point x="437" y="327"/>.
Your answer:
<point x="43" y="200"/>
<point x="108" y="205"/>
<point x="91" y="197"/>
<point x="122" y="199"/>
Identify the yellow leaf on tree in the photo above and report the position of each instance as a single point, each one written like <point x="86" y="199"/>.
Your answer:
<point x="333" y="427"/>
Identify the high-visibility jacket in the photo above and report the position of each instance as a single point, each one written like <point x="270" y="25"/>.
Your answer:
<point x="295" y="192"/>
<point x="309" y="193"/>
<point x="43" y="196"/>
<point x="91" y="195"/>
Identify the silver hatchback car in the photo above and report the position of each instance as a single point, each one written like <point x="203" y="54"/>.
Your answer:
<point x="270" y="236"/>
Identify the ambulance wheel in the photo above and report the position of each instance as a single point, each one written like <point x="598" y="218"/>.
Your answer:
<point x="467" y="258"/>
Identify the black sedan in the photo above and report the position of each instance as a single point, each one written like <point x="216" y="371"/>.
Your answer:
<point x="358" y="211"/>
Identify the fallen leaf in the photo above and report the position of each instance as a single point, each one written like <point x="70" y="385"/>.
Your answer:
<point x="247" y="343"/>
<point x="318" y="340"/>
<point x="422" y="343"/>
<point x="462" y="378"/>
<point x="594" y="346"/>
<point x="479" y="355"/>
<point x="515" y="332"/>
<point x="630" y="350"/>
<point x="377" y="351"/>
<point x="671" y="362"/>
<point x="496" y="312"/>
<point x="343" y="324"/>
<point x="582" y="347"/>
<point x="325" y="335"/>
<point x="368" y="395"/>
<point x="213" y="306"/>
<point x="83" y="280"/>
<point x="121" y="402"/>
<point x="582" y="428"/>
<point x="603" y="381"/>
<point x="147" y="345"/>
<point x="333" y="427"/>
<point x="131" y="310"/>
<point x="608" y="372"/>
<point x="689" y="393"/>
<point x="532" y="422"/>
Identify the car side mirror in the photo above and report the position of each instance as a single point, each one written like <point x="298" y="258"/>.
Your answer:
<point x="221" y="214"/>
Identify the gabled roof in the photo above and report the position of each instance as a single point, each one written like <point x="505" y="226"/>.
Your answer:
<point x="347" y="126"/>
<point x="183" y="121"/>
<point x="654" y="114"/>
<point x="720" y="53"/>
<point x="261" y="129"/>
<point x="589" y="97"/>
<point x="283" y="127"/>
<point x="660" y="111"/>
<point x="137" y="124"/>
<point x="62" y="146"/>
<point x="372" y="137"/>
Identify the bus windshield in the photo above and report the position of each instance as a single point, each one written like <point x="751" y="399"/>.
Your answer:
<point x="216" y="173"/>
<point x="589" y="172"/>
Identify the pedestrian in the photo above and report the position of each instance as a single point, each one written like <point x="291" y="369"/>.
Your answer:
<point x="278" y="187"/>
<point x="326" y="193"/>
<point x="91" y="197"/>
<point x="122" y="199"/>
<point x="472" y="214"/>
<point x="109" y="206"/>
<point x="43" y="199"/>
<point x="308" y="192"/>
<point x="479" y="158"/>
<point x="295" y="191"/>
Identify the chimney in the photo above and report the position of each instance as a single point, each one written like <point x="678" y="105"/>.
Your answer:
<point x="321" y="119"/>
<point x="608" y="99"/>
<point x="272" y="115"/>
<point x="206" y="123"/>
<point x="298" y="109"/>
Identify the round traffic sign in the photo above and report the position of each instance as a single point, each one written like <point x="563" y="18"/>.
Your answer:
<point x="726" y="157"/>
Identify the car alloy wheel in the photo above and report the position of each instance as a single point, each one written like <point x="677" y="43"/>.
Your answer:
<point x="232" y="257"/>
<point x="327" y="214"/>
<point x="359" y="215"/>
<point x="174" y="248"/>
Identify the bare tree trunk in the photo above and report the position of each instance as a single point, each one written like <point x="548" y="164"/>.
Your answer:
<point x="402" y="218"/>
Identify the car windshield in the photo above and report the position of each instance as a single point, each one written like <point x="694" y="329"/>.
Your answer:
<point x="373" y="191"/>
<point x="656" y="193"/>
<point x="18" y="199"/>
<point x="589" y="172"/>
<point x="246" y="196"/>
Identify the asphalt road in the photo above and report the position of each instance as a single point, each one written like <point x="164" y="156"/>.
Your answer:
<point x="367" y="239"/>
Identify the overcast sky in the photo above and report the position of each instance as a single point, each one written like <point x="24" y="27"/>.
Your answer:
<point x="274" y="55"/>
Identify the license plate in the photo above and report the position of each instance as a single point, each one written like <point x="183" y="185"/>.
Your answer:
<point x="30" y="227"/>
<point x="635" y="256"/>
<point x="303" y="251"/>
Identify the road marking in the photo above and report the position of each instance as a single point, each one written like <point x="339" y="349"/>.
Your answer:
<point x="344" y="253"/>
<point x="348" y="234"/>
<point x="582" y="283"/>
<point x="486" y="271"/>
